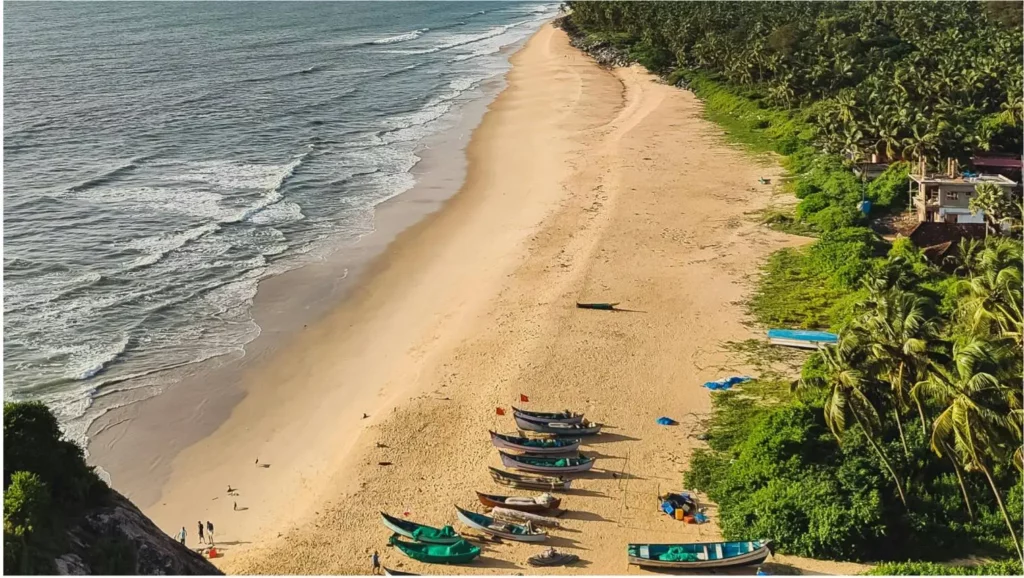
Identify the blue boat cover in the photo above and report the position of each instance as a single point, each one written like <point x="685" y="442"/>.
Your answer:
<point x="728" y="382"/>
<point x="802" y="335"/>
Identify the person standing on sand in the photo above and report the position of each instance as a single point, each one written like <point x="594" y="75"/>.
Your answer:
<point x="181" y="536"/>
<point x="376" y="563"/>
<point x="202" y="539"/>
<point x="209" y="531"/>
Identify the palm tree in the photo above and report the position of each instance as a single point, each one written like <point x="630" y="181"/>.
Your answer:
<point x="847" y="397"/>
<point x="896" y="334"/>
<point x="993" y="300"/>
<point x="975" y="420"/>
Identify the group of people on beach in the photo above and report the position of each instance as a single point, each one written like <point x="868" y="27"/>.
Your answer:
<point x="204" y="537"/>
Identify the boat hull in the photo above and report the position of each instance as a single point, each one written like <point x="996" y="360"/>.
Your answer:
<point x="547" y="416"/>
<point x="528" y="482"/>
<point x="493" y="501"/>
<point x="503" y="443"/>
<point x="756" y="556"/>
<point x="574" y="430"/>
<point x="465" y="518"/>
<point x="436" y="553"/>
<point x="510" y="461"/>
<point x="390" y="572"/>
<point x="405" y="529"/>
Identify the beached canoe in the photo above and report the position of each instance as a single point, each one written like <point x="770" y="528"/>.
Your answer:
<point x="802" y="338"/>
<point x="699" y="555"/>
<point x="566" y="416"/>
<point x="390" y="572"/>
<point x="457" y="553"/>
<point x="532" y="504"/>
<point x="529" y="481"/>
<point x="534" y="446"/>
<point x="419" y="532"/>
<point x="602" y="306"/>
<point x="586" y="428"/>
<point x="506" y="530"/>
<point x="546" y="464"/>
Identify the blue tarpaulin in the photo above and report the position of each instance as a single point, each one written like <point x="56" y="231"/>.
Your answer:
<point x="727" y="382"/>
<point x="667" y="421"/>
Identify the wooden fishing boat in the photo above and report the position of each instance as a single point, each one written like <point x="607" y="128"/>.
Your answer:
<point x="700" y="555"/>
<point x="585" y="428"/>
<point x="529" y="481"/>
<point x="420" y="532"/>
<point x="506" y="530"/>
<point x="390" y="572"/>
<point x="457" y="553"/>
<point x="534" y="446"/>
<point x="547" y="464"/>
<point x="566" y="416"/>
<point x="539" y="503"/>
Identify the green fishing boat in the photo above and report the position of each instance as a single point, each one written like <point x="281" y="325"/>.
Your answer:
<point x="457" y="553"/>
<point x="420" y="532"/>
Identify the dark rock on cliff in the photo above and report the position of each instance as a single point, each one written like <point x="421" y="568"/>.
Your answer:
<point x="117" y="538"/>
<point x="600" y="50"/>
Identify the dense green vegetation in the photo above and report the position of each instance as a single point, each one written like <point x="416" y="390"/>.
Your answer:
<point x="46" y="485"/>
<point x="904" y="78"/>
<point x="1004" y="568"/>
<point x="904" y="442"/>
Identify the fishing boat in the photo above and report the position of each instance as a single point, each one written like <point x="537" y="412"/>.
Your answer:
<point x="547" y="464"/>
<point x="602" y="306"/>
<point x="457" y="553"/>
<point x="419" y="532"/>
<point x="801" y="338"/>
<point x="529" y="481"/>
<point x="700" y="555"/>
<point x="506" y="530"/>
<point x="566" y="416"/>
<point x="539" y="503"/>
<point x="584" y="428"/>
<point x="390" y="572"/>
<point x="534" y="446"/>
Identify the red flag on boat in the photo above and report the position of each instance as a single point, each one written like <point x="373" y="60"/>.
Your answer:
<point x="523" y="398"/>
<point x="501" y="411"/>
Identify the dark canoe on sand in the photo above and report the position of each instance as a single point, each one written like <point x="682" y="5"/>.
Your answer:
<point x="602" y="306"/>
<point x="566" y="416"/>
<point x="699" y="556"/>
<point x="529" y="481"/>
<point x="390" y="572"/>
<point x="534" y="446"/>
<point x="587" y="428"/>
<point x="547" y="464"/>
<point x="457" y="553"/>
<point x="420" y="532"/>
<point x="530" y="505"/>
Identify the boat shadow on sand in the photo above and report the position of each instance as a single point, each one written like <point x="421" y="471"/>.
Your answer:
<point x="595" y="474"/>
<point x="772" y="568"/>
<point x="584" y="516"/>
<point x="607" y="438"/>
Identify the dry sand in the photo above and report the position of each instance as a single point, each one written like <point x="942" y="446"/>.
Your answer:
<point x="583" y="184"/>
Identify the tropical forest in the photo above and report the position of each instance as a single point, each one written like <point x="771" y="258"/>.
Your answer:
<point x="901" y="445"/>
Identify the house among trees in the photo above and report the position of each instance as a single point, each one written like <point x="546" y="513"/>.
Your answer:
<point x="945" y="198"/>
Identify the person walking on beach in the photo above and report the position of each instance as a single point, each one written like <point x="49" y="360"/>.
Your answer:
<point x="181" y="536"/>
<point x="376" y="563"/>
<point x="209" y="531"/>
<point x="202" y="539"/>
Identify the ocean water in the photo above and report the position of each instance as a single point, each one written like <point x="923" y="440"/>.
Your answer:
<point x="162" y="158"/>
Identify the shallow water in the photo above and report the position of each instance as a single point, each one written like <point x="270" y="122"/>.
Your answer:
<point x="162" y="158"/>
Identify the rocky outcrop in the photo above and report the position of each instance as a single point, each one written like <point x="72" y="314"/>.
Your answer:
<point x="600" y="50"/>
<point x="117" y="538"/>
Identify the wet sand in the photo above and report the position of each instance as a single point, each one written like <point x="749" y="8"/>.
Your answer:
<point x="582" y="184"/>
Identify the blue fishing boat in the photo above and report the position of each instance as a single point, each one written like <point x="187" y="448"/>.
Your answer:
<point x="801" y="338"/>
<point x="699" y="555"/>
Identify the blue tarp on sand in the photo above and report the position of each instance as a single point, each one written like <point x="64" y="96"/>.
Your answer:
<point x="727" y="382"/>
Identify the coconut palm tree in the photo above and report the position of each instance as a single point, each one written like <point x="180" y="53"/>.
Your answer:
<point x="976" y="421"/>
<point x="846" y="390"/>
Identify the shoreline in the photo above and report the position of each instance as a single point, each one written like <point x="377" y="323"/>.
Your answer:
<point x="133" y="426"/>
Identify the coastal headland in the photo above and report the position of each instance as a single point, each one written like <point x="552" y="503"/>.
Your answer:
<point x="582" y="184"/>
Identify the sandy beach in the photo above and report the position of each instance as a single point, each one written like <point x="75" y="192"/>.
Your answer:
<point x="582" y="183"/>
